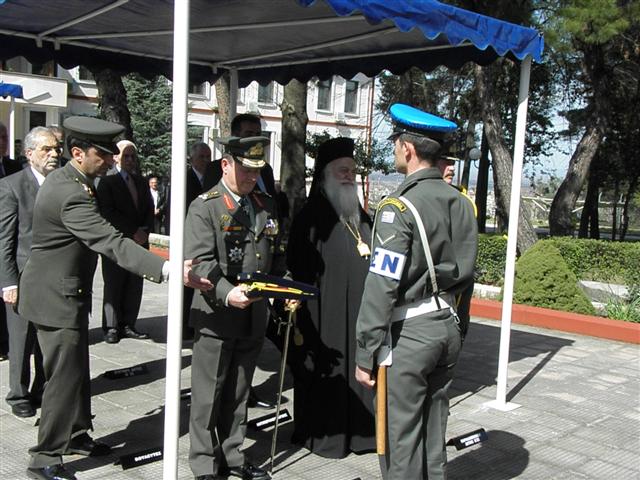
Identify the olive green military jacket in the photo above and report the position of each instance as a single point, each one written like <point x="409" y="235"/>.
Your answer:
<point x="68" y="234"/>
<point x="398" y="273"/>
<point x="219" y="234"/>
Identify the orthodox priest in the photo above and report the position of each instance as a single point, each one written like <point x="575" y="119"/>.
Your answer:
<point x="329" y="248"/>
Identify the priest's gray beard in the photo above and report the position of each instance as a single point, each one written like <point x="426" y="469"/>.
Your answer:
<point x="343" y="198"/>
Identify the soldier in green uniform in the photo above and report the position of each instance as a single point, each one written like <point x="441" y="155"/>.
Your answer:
<point x="230" y="229"/>
<point x="55" y="290"/>
<point x="424" y="249"/>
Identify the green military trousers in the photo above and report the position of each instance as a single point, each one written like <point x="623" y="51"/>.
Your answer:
<point x="425" y="351"/>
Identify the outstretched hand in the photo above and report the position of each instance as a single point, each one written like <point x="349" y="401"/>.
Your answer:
<point x="194" y="281"/>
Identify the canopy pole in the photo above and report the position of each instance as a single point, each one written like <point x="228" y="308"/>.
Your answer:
<point x="500" y="403"/>
<point x="178" y="182"/>
<point x="12" y="129"/>
<point x="233" y="92"/>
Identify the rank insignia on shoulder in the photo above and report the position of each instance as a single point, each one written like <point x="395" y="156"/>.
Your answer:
<point x="209" y="195"/>
<point x="86" y="187"/>
<point x="393" y="202"/>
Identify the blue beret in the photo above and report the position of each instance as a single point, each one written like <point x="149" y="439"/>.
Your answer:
<point x="407" y="119"/>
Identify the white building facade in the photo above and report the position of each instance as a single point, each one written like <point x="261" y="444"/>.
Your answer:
<point x="340" y="107"/>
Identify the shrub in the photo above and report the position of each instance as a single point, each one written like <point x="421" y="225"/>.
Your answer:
<point x="543" y="279"/>
<point x="600" y="260"/>
<point x="492" y="252"/>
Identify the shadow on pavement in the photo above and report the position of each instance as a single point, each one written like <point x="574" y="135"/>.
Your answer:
<point x="478" y="363"/>
<point x="140" y="434"/>
<point x="156" y="371"/>
<point x="501" y="457"/>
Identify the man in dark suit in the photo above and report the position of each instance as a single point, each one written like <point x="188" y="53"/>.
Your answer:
<point x="230" y="229"/>
<point x="200" y="178"/>
<point x="125" y="201"/>
<point x="55" y="290"/>
<point x="17" y="197"/>
<point x="7" y="167"/>
<point x="159" y="204"/>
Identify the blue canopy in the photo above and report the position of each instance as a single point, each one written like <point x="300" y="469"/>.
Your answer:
<point x="458" y="25"/>
<point x="263" y="40"/>
<point x="10" y="90"/>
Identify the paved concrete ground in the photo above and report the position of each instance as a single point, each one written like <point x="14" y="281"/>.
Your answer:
<point x="579" y="416"/>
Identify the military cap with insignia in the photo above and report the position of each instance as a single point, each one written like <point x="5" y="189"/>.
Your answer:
<point x="249" y="151"/>
<point x="413" y="121"/>
<point x="97" y="133"/>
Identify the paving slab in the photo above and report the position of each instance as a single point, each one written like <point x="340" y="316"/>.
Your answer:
<point x="579" y="414"/>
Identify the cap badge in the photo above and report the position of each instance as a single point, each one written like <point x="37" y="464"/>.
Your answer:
<point x="256" y="151"/>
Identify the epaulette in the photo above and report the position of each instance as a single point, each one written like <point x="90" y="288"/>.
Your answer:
<point x="463" y="192"/>
<point x="395" y="202"/>
<point x="209" y="195"/>
<point x="86" y="187"/>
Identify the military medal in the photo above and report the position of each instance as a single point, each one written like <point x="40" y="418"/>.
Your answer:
<point x="271" y="227"/>
<point x="236" y="255"/>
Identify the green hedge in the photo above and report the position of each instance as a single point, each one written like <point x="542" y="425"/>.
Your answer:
<point x="599" y="260"/>
<point x="492" y="252"/>
<point x="543" y="279"/>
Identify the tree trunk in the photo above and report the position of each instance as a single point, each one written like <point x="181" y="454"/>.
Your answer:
<point x="294" y="133"/>
<point x="469" y="143"/>
<point x="502" y="161"/>
<point x="482" y="185"/>
<point x="564" y="201"/>
<point x="625" y="210"/>
<point x="594" y="67"/>
<point x="589" y="218"/>
<point x="113" y="99"/>
<point x="223" y="98"/>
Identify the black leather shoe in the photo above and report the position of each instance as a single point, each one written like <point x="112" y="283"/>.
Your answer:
<point x="51" y="472"/>
<point x="249" y="472"/>
<point x="131" y="332"/>
<point x="111" y="336"/>
<point x="256" y="402"/>
<point x="207" y="477"/>
<point x="23" y="410"/>
<point x="87" y="446"/>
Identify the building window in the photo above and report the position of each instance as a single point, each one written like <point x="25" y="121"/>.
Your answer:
<point x="84" y="73"/>
<point x="37" y="119"/>
<point x="324" y="95"/>
<point x="265" y="93"/>
<point x="351" y="97"/>
<point x="47" y="69"/>
<point x="198" y="89"/>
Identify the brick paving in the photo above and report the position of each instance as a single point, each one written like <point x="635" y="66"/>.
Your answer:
<point x="579" y="416"/>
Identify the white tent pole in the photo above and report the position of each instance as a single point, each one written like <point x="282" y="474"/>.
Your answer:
<point x="500" y="402"/>
<point x="178" y="182"/>
<point x="12" y="130"/>
<point x="233" y="92"/>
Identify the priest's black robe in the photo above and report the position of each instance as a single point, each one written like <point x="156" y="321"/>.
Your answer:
<point x="333" y="413"/>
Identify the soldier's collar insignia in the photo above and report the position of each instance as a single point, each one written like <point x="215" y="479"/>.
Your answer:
<point x="228" y="201"/>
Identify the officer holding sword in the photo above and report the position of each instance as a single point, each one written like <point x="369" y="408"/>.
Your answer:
<point x="424" y="248"/>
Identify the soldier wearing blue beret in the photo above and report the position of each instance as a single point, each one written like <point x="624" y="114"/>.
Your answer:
<point x="424" y="245"/>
